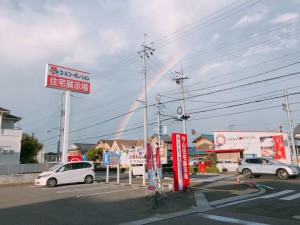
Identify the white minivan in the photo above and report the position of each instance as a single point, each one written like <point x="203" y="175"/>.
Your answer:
<point x="70" y="172"/>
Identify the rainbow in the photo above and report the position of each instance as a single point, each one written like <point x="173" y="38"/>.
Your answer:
<point x="150" y="86"/>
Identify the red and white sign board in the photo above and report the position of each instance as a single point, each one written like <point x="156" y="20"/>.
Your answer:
<point x="74" y="158"/>
<point x="67" y="79"/>
<point x="180" y="161"/>
<point x="259" y="143"/>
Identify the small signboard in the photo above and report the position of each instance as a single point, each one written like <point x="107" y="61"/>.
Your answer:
<point x="60" y="77"/>
<point x="106" y="158"/>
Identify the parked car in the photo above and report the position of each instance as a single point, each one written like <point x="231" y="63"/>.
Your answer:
<point x="195" y="161"/>
<point x="227" y="165"/>
<point x="257" y="166"/>
<point x="70" y="172"/>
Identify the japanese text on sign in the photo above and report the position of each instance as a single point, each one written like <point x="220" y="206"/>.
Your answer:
<point x="67" y="79"/>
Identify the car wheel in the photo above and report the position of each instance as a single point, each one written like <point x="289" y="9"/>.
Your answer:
<point x="282" y="174"/>
<point x="247" y="173"/>
<point x="51" y="182"/>
<point x="257" y="175"/>
<point x="88" y="179"/>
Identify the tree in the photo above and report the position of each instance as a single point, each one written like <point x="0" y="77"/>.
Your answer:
<point x="95" y="154"/>
<point x="30" y="147"/>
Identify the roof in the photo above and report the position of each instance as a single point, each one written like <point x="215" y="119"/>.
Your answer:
<point x="8" y="116"/>
<point x="206" y="136"/>
<point x="82" y="146"/>
<point x="194" y="152"/>
<point x="109" y="142"/>
<point x="11" y="117"/>
<point x="130" y="143"/>
<point x="4" y="110"/>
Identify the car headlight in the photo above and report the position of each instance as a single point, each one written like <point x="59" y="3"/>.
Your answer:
<point x="46" y="175"/>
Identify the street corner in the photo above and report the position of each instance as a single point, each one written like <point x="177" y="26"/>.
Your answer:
<point x="226" y="189"/>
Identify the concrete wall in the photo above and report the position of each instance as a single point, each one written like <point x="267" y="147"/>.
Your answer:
<point x="17" y="178"/>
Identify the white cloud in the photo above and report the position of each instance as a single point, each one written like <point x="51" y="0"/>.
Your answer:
<point x="251" y="18"/>
<point x="285" y="17"/>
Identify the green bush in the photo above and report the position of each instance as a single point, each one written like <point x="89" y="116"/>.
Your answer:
<point x="167" y="169"/>
<point x="212" y="169"/>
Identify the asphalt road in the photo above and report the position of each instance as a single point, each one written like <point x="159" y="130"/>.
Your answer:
<point x="213" y="199"/>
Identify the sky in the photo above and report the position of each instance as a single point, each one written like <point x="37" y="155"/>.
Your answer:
<point x="235" y="58"/>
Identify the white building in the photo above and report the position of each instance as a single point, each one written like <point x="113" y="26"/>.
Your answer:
<point x="10" y="138"/>
<point x="253" y="143"/>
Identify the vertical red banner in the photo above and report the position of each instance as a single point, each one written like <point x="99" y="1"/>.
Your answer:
<point x="180" y="162"/>
<point x="279" y="147"/>
<point x="157" y="158"/>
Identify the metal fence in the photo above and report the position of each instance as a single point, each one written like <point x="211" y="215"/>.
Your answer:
<point x="6" y="169"/>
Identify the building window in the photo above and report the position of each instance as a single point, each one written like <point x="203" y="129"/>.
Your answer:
<point x="4" y="152"/>
<point x="11" y="152"/>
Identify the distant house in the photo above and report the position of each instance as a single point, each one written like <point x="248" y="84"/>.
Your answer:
<point x="80" y="148"/>
<point x="126" y="144"/>
<point x="202" y="143"/>
<point x="104" y="144"/>
<point x="10" y="138"/>
<point x="50" y="157"/>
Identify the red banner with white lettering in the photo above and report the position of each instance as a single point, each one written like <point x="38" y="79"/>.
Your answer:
<point x="180" y="161"/>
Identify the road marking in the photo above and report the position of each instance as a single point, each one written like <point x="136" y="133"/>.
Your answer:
<point x="108" y="192"/>
<point x="237" y="202"/>
<point x="277" y="194"/>
<point x="230" y="220"/>
<point x="212" y="189"/>
<point x="84" y="189"/>
<point x="265" y="186"/>
<point x="291" y="197"/>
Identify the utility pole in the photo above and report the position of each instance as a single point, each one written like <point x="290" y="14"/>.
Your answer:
<point x="287" y="109"/>
<point x="145" y="53"/>
<point x="179" y="80"/>
<point x="61" y="113"/>
<point x="159" y="107"/>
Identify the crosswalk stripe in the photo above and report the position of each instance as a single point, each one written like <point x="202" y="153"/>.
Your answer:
<point x="277" y="194"/>
<point x="291" y="197"/>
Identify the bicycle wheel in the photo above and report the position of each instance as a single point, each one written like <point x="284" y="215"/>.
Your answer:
<point x="153" y="202"/>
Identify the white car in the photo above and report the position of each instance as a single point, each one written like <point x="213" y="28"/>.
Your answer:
<point x="226" y="165"/>
<point x="257" y="166"/>
<point x="64" y="173"/>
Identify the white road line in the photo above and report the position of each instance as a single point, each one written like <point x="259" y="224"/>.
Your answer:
<point x="108" y="192"/>
<point x="291" y="197"/>
<point x="277" y="194"/>
<point x="237" y="202"/>
<point x="230" y="220"/>
<point x="84" y="189"/>
<point x="265" y="186"/>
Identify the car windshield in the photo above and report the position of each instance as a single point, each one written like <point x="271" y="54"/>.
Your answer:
<point x="56" y="166"/>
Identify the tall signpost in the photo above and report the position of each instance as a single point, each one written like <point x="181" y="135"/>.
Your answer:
<point x="180" y="162"/>
<point x="67" y="79"/>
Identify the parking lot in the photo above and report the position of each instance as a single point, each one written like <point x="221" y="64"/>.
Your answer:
<point x="100" y="202"/>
